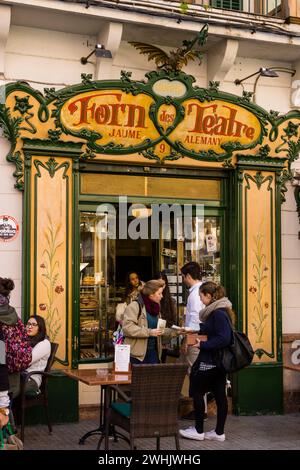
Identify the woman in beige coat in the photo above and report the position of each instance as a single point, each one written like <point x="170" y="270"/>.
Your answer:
<point x="140" y="325"/>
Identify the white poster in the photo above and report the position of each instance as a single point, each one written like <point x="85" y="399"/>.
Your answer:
<point x="122" y="357"/>
<point x="211" y="243"/>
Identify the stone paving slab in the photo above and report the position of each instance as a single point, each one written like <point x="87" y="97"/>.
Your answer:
<point x="242" y="432"/>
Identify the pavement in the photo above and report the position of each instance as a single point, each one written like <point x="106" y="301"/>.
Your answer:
<point x="276" y="432"/>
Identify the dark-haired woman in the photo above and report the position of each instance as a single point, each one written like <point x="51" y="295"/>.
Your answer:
<point x="168" y="311"/>
<point x="205" y="375"/>
<point x="41" y="349"/>
<point x="133" y="285"/>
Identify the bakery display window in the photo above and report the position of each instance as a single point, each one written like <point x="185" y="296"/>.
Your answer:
<point x="97" y="284"/>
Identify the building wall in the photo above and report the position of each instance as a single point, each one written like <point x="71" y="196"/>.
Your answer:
<point x="10" y="204"/>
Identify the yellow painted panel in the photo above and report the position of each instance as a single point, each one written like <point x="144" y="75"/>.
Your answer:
<point x="125" y="185"/>
<point x="260" y="267"/>
<point x="50" y="249"/>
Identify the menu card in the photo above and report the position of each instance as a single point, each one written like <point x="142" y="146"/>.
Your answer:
<point x="122" y="357"/>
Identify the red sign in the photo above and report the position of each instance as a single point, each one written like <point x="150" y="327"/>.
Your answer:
<point x="9" y="228"/>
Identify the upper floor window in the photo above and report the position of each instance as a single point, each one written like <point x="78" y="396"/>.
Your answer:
<point x="228" y="4"/>
<point x="261" y="7"/>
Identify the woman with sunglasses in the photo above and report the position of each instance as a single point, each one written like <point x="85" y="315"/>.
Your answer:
<point x="41" y="349"/>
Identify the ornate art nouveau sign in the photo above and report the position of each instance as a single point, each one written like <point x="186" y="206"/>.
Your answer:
<point x="164" y="119"/>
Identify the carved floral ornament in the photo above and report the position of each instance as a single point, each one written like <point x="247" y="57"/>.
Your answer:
<point x="165" y="117"/>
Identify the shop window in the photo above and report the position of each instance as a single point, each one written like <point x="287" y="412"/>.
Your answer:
<point x="105" y="259"/>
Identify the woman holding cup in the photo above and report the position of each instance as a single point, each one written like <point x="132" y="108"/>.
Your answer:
<point x="143" y="327"/>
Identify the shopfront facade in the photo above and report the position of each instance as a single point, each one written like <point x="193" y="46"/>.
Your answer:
<point x="89" y="156"/>
<point x="189" y="146"/>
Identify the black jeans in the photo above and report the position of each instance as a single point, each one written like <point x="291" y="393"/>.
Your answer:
<point x="201" y="382"/>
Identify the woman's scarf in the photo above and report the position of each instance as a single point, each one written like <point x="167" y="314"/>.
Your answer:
<point x="151" y="306"/>
<point x="223" y="303"/>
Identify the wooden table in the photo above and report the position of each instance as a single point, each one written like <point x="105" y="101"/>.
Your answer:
<point x="103" y="378"/>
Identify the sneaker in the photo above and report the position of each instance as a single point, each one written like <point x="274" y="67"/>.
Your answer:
<point x="213" y="436"/>
<point x="191" y="433"/>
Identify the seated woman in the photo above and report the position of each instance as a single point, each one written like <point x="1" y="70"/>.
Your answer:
<point x="41" y="350"/>
<point x="140" y="325"/>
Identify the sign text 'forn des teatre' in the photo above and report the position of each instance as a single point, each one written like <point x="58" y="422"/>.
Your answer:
<point x="129" y="120"/>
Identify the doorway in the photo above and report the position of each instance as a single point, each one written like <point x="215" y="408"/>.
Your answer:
<point x="105" y="260"/>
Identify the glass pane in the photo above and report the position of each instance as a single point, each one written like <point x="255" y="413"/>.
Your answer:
<point x="188" y="235"/>
<point x="228" y="4"/>
<point x="201" y="245"/>
<point x="150" y="186"/>
<point x="97" y="283"/>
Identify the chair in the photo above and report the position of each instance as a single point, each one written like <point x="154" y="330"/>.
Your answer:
<point x="152" y="409"/>
<point x="29" y="401"/>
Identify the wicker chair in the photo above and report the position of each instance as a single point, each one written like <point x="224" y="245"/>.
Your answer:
<point x="152" y="409"/>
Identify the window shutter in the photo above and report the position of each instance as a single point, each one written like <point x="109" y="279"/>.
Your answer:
<point x="228" y="4"/>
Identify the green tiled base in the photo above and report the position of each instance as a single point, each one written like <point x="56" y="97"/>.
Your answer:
<point x="258" y="390"/>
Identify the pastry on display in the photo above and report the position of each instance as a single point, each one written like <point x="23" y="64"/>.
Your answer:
<point x="88" y="302"/>
<point x="88" y="281"/>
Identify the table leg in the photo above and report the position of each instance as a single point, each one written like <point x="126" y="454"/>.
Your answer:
<point x="101" y="429"/>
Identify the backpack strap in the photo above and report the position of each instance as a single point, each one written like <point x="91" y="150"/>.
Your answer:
<point x="140" y="308"/>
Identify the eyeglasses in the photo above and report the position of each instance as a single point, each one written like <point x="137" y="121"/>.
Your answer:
<point x="30" y="325"/>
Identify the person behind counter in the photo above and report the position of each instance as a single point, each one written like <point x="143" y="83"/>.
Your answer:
<point x="133" y="286"/>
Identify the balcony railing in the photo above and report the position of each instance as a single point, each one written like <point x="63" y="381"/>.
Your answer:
<point x="288" y="10"/>
<point x="257" y="7"/>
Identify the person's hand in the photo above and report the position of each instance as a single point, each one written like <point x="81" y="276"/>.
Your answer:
<point x="156" y="332"/>
<point x="198" y="342"/>
<point x="3" y="420"/>
<point x="182" y="331"/>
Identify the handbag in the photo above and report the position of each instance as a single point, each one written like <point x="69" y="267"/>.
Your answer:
<point x="237" y="355"/>
<point x="8" y="440"/>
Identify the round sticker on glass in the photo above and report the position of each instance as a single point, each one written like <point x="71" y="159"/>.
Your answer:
<point x="9" y="228"/>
